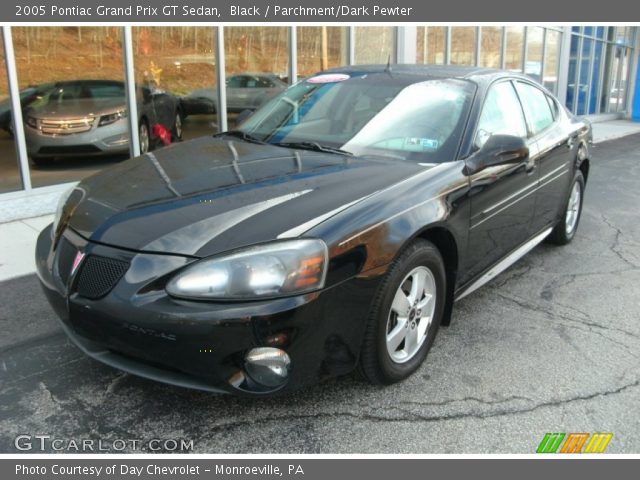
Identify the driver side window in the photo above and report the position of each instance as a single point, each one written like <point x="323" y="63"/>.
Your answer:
<point x="501" y="115"/>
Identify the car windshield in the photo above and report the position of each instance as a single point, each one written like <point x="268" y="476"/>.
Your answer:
<point x="380" y="114"/>
<point x="71" y="91"/>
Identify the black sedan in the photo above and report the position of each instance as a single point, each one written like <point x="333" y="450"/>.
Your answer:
<point x="333" y="230"/>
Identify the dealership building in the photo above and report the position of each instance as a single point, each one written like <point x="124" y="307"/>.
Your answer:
<point x="592" y="69"/>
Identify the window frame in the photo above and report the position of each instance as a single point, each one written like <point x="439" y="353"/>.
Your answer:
<point x="554" y="115"/>
<point x="509" y="80"/>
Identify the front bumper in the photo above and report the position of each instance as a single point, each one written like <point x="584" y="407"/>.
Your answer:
<point x="136" y="327"/>
<point x="107" y="140"/>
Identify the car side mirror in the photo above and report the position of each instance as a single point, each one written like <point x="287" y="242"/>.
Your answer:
<point x="497" y="150"/>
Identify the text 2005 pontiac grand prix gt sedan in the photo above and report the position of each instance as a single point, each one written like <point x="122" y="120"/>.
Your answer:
<point x="333" y="230"/>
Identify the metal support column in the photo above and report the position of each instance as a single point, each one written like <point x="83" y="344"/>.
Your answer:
<point x="476" y="61"/>
<point x="351" y="45"/>
<point x="406" y="50"/>
<point x="130" y="92"/>
<point x="16" y="108"/>
<point x="447" y="46"/>
<point x="544" y="54"/>
<point x="503" y="49"/>
<point x="564" y="57"/>
<point x="293" y="55"/>
<point x="221" y="80"/>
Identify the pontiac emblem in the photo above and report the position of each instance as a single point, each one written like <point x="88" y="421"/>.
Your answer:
<point x="76" y="262"/>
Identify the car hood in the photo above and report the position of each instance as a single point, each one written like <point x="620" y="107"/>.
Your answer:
<point x="214" y="194"/>
<point x="80" y="107"/>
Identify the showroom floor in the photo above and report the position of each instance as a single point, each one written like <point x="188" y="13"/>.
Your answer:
<point x="551" y="345"/>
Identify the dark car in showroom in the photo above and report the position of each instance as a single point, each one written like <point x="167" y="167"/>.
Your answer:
<point x="89" y="117"/>
<point x="247" y="91"/>
<point x="332" y="231"/>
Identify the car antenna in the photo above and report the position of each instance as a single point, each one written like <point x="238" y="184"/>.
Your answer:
<point x="388" y="67"/>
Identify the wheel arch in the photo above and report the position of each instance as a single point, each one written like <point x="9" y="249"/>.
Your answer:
<point x="446" y="243"/>
<point x="583" y="164"/>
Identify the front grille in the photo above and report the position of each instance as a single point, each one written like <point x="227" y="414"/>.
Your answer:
<point x="98" y="275"/>
<point x="66" y="255"/>
<point x="68" y="149"/>
<point x="66" y="127"/>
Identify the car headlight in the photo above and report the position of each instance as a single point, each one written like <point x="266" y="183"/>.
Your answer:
<point x="112" y="118"/>
<point x="32" y="122"/>
<point x="62" y="201"/>
<point x="265" y="271"/>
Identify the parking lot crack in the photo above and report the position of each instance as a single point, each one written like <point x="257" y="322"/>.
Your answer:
<point x="581" y="317"/>
<point x="615" y="247"/>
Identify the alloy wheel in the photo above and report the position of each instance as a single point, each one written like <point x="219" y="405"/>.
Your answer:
<point x="144" y="138"/>
<point x="178" y="126"/>
<point x="573" y="209"/>
<point x="411" y="314"/>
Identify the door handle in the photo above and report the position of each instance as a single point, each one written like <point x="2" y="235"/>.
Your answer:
<point x="570" y="143"/>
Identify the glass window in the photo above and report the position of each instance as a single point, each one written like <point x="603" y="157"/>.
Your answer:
<point x="551" y="63"/>
<point x="501" y="114"/>
<point x="173" y="63"/>
<point x="374" y="45"/>
<point x="463" y="45"/>
<point x="536" y="106"/>
<point x="515" y="42"/>
<point x="75" y="121"/>
<point x="533" y="67"/>
<point x="491" y="47"/>
<point x="430" y="45"/>
<point x="369" y="114"/>
<point x="254" y="55"/>
<point x="320" y="48"/>
<point x="10" y="178"/>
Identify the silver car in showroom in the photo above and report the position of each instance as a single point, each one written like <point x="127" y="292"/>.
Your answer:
<point x="89" y="117"/>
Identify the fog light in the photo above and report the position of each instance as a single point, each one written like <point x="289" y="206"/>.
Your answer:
<point x="268" y="366"/>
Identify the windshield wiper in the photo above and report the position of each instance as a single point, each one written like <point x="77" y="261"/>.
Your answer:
<point x="315" y="146"/>
<point x="247" y="137"/>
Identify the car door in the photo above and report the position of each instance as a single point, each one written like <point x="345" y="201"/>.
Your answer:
<point x="501" y="196"/>
<point x="555" y="152"/>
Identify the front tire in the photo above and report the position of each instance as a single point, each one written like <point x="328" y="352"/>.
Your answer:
<point x="566" y="228"/>
<point x="405" y="315"/>
<point x="144" y="137"/>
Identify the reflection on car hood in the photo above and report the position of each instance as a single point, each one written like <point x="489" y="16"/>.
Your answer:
<point x="211" y="195"/>
<point x="80" y="107"/>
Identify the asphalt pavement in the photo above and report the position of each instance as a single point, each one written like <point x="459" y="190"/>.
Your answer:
<point x="550" y="345"/>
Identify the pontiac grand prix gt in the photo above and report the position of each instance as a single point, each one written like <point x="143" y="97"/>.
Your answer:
<point x="332" y="231"/>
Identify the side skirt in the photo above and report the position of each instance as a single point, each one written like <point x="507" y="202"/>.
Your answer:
<point x="505" y="263"/>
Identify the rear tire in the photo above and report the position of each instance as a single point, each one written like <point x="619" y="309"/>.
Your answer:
<point x="405" y="316"/>
<point x="144" y="137"/>
<point x="177" y="131"/>
<point x="566" y="228"/>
